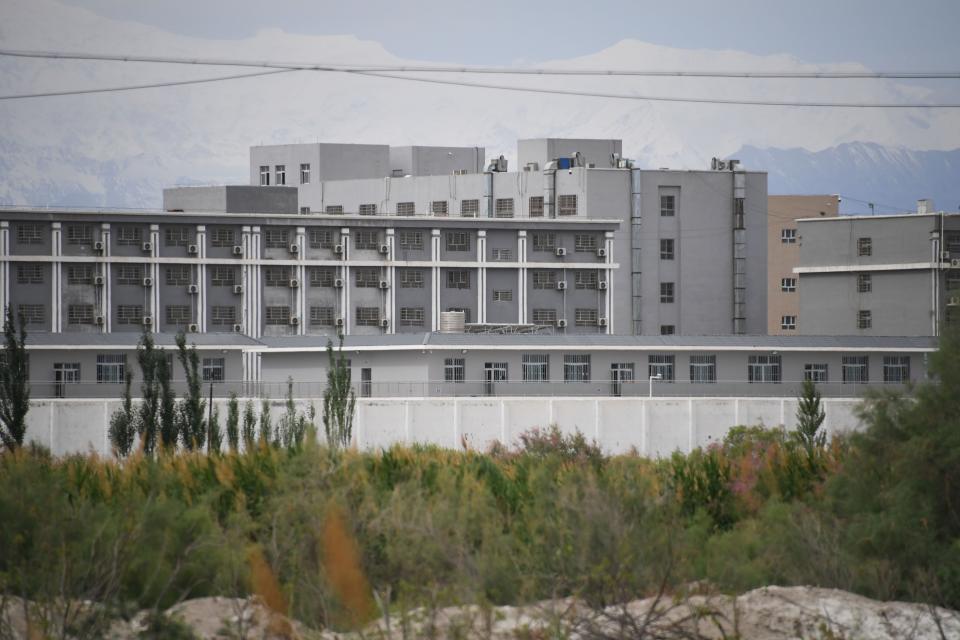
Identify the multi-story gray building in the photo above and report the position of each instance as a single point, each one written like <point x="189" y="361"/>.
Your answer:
<point x="892" y="275"/>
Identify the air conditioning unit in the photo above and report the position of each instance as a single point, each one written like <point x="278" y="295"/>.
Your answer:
<point x="238" y="288"/>
<point x="294" y="283"/>
<point x="294" y="321"/>
<point x="237" y="250"/>
<point x="147" y="321"/>
<point x="193" y="249"/>
<point x="561" y="323"/>
<point x="561" y="251"/>
<point x="384" y="249"/>
<point x="338" y="283"/>
<point x="955" y="263"/>
<point x="294" y="248"/>
<point x="602" y="285"/>
<point x="384" y="284"/>
<point x="98" y="281"/>
<point x="147" y="246"/>
<point x="98" y="320"/>
<point x="339" y="322"/>
<point x="193" y="289"/>
<point x="561" y="285"/>
<point x="601" y="253"/>
<point x="338" y="249"/>
<point x="148" y="282"/>
<point x="384" y="323"/>
<point x="98" y="246"/>
<point x="601" y="322"/>
<point x="193" y="328"/>
<point x="944" y="256"/>
<point x="238" y="328"/>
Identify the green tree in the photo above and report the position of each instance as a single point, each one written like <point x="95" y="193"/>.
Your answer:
<point x="192" y="425"/>
<point x="123" y="422"/>
<point x="233" y="422"/>
<point x="149" y="358"/>
<point x="249" y="425"/>
<point x="810" y="416"/>
<point x="339" y="401"/>
<point x="169" y="429"/>
<point x="14" y="383"/>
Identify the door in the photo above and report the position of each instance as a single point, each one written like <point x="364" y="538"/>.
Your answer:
<point x="65" y="373"/>
<point x="493" y="372"/>
<point x="366" y="382"/>
<point x="620" y="372"/>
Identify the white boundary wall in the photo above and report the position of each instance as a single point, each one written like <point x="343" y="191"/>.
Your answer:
<point x="654" y="426"/>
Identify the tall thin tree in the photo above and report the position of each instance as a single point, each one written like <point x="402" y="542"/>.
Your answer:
<point x="339" y="400"/>
<point x="14" y="383"/>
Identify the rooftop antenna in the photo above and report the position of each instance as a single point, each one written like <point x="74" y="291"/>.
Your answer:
<point x="870" y="204"/>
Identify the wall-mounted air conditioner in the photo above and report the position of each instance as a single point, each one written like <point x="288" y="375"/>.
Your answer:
<point x="98" y="281"/>
<point x="193" y="328"/>
<point x="193" y="289"/>
<point x="294" y="248"/>
<point x="384" y="323"/>
<point x="384" y="284"/>
<point x="338" y="249"/>
<point x="561" y="285"/>
<point x="384" y="249"/>
<point x="238" y="328"/>
<point x="98" y="246"/>
<point x="98" y="321"/>
<point x="294" y="283"/>
<point x="339" y="322"/>
<point x="561" y="323"/>
<point x="147" y="246"/>
<point x="338" y="283"/>
<point x="238" y="288"/>
<point x="148" y="282"/>
<point x="147" y="321"/>
<point x="237" y="250"/>
<point x="602" y="285"/>
<point x="294" y="321"/>
<point x="561" y="251"/>
<point x="601" y="253"/>
<point x="193" y="249"/>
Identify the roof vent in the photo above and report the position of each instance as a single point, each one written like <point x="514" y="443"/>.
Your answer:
<point x="924" y="206"/>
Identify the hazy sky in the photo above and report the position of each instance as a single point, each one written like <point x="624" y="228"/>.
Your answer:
<point x="883" y="34"/>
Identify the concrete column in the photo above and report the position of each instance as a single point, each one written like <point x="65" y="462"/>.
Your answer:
<point x="300" y="273"/>
<point x="201" y="278"/>
<point x="4" y="266"/>
<point x="435" y="279"/>
<point x="246" y="276"/>
<point x="390" y="305"/>
<point x="153" y="271"/>
<point x="608" y="278"/>
<point x="481" y="276"/>
<point x="345" y="273"/>
<point x="522" y="313"/>
<point x="106" y="289"/>
<point x="254" y="297"/>
<point x="56" y="285"/>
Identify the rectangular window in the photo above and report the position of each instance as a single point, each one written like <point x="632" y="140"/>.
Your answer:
<point x="458" y="279"/>
<point x="453" y="369"/>
<point x="666" y="292"/>
<point x="536" y="206"/>
<point x="864" y="319"/>
<point x="176" y="236"/>
<point x="411" y="240"/>
<point x="864" y="283"/>
<point x="668" y="206"/>
<point x="536" y="368"/>
<point x="129" y="313"/>
<point x="440" y="208"/>
<point x="503" y="295"/>
<point x="79" y="234"/>
<point x="129" y="274"/>
<point x="334" y="209"/>
<point x="368" y="210"/>
<point x="32" y="313"/>
<point x="585" y="279"/>
<point x="321" y="316"/>
<point x="661" y="365"/>
<point x="111" y="368"/>
<point x="367" y="277"/>
<point x="864" y="247"/>
<point x="365" y="240"/>
<point x="276" y="238"/>
<point x="29" y="233"/>
<point x="952" y="244"/>
<point x="503" y="208"/>
<point x="469" y="208"/>
<point x="80" y="314"/>
<point x="856" y="369"/>
<point x="264" y="175"/>
<point x="544" y="317"/>
<point x="368" y="316"/>
<point x="178" y="274"/>
<point x="411" y="316"/>
<point x="222" y="276"/>
<point x="953" y="280"/>
<point x="703" y="369"/>
<point x="322" y="276"/>
<point x="458" y="241"/>
<point x="222" y="237"/>
<point x="129" y="236"/>
<point x="80" y="274"/>
<point x="763" y="369"/>
<point x="666" y="249"/>
<point x="567" y="205"/>
<point x="815" y="372"/>
<point x="29" y="274"/>
<point x="584" y="243"/>
<point x="221" y="316"/>
<point x="544" y="279"/>
<point x="178" y="314"/>
<point x="280" y="173"/>
<point x="321" y="238"/>
<point x="788" y="285"/>
<point x="576" y="368"/>
<point x="502" y="255"/>
<point x="788" y="236"/>
<point x="788" y="323"/>
<point x="545" y="242"/>
<point x="406" y="209"/>
<point x="585" y="317"/>
<point x="667" y="329"/>
<point x="896" y="369"/>
<point x="304" y="173"/>
<point x="212" y="369"/>
<point x="276" y="276"/>
<point x="65" y="373"/>
<point x="411" y="279"/>
<point x="276" y="315"/>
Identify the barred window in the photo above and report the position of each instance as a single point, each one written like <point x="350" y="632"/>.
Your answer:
<point x="277" y="315"/>
<point x="703" y="369"/>
<point x="503" y="208"/>
<point x="896" y="369"/>
<point x="32" y="313"/>
<point x="365" y="239"/>
<point x="411" y="240"/>
<point x="503" y="295"/>
<point x="544" y="279"/>
<point x="129" y="313"/>
<point x="276" y="238"/>
<point x="368" y="209"/>
<point x="368" y="316"/>
<point x="864" y="283"/>
<point x="29" y="233"/>
<point x="29" y="274"/>
<point x="763" y="369"/>
<point x="79" y="234"/>
<point x="788" y="236"/>
<point x="212" y="369"/>
<point x="788" y="285"/>
<point x="458" y="241"/>
<point x="666" y="249"/>
<point x="567" y="205"/>
<point x="411" y="279"/>
<point x="788" y="323"/>
<point x="952" y="243"/>
<point x="321" y="316"/>
<point x="855" y="369"/>
<point x="864" y="246"/>
<point x="535" y="368"/>
<point x="334" y="208"/>
<point x="544" y="316"/>
<point x="458" y="279"/>
<point x="176" y="236"/>
<point x="221" y="316"/>
<point x="440" y="208"/>
<point x="666" y="292"/>
<point x="130" y="274"/>
<point x="953" y="280"/>
<point x="661" y="365"/>
<point x="585" y="279"/>
<point x="536" y="206"/>
<point x="815" y="372"/>
<point x="668" y="206"/>
<point x="129" y="236"/>
<point x="276" y="276"/>
<point x="469" y="208"/>
<point x="454" y="369"/>
<point x="668" y="329"/>
<point x="223" y="237"/>
<point x="111" y="368"/>
<point x="367" y="277"/>
<point x="321" y="238"/>
<point x="80" y="274"/>
<point x="584" y="243"/>
<point x="864" y="319"/>
<point x="576" y="368"/>
<point x="406" y="208"/>
<point x="178" y="274"/>
<point x="544" y="242"/>
<point x="322" y="276"/>
<point x="502" y="255"/>
<point x="585" y="317"/>
<point x="223" y="276"/>
<point x="411" y="316"/>
<point x="80" y="314"/>
<point x="177" y="314"/>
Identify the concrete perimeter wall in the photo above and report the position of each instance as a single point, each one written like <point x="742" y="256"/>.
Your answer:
<point x="654" y="426"/>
